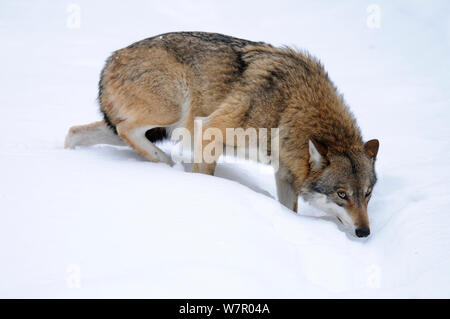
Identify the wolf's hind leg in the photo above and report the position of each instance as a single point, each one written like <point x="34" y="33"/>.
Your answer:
<point x="91" y="134"/>
<point x="135" y="137"/>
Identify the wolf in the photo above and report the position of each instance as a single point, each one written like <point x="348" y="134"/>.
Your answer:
<point x="159" y="84"/>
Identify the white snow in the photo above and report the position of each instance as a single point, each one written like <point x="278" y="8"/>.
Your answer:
<point x="102" y="222"/>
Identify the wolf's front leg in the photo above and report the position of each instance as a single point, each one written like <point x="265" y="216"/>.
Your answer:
<point x="286" y="191"/>
<point x="204" y="168"/>
<point x="208" y="147"/>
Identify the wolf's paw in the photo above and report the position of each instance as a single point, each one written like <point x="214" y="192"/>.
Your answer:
<point x="71" y="138"/>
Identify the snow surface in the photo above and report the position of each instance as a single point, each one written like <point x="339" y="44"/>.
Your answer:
<point x="102" y="222"/>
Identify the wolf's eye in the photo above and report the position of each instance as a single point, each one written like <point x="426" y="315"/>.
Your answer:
<point x="342" y="194"/>
<point x="368" y="193"/>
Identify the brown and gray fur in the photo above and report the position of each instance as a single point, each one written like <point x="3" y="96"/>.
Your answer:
<point x="158" y="84"/>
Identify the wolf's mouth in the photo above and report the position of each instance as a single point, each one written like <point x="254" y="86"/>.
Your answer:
<point x="340" y="220"/>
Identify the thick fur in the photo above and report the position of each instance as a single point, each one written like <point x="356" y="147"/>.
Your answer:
<point x="167" y="81"/>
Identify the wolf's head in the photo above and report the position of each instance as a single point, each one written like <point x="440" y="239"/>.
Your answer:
<point x="341" y="183"/>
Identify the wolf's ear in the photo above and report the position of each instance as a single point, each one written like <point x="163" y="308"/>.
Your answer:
<point x="371" y="148"/>
<point x="317" y="153"/>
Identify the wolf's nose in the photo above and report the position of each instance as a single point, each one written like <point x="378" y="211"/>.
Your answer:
<point x="362" y="232"/>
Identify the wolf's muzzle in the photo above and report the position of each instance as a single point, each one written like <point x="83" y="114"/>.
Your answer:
<point x="362" y="232"/>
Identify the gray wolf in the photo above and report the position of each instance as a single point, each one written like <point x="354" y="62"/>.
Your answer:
<point x="156" y="85"/>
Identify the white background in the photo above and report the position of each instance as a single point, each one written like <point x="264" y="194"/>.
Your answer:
<point x="102" y="222"/>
